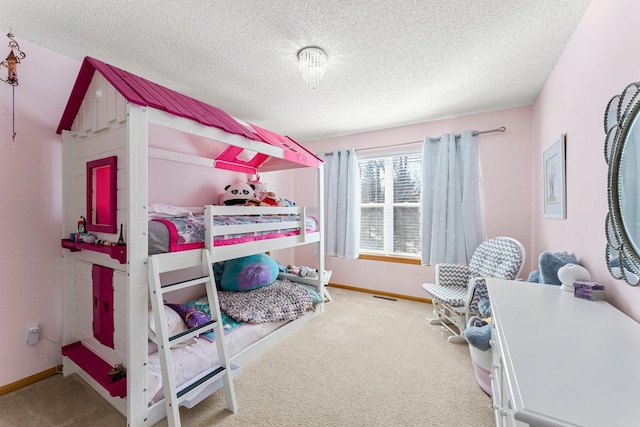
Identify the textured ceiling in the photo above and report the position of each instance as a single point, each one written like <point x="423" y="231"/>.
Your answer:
<point x="390" y="63"/>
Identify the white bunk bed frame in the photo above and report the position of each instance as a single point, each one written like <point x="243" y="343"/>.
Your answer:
<point x="107" y="124"/>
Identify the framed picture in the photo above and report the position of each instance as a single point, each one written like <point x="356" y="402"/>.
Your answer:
<point x="553" y="173"/>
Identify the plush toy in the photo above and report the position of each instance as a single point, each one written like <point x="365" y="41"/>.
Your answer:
<point x="484" y="307"/>
<point x="254" y="202"/>
<point x="259" y="187"/>
<point x="237" y="194"/>
<point x="308" y="272"/>
<point x="292" y="269"/>
<point x="192" y="317"/>
<point x="549" y="264"/>
<point x="117" y="372"/>
<point x="272" y="199"/>
<point x="478" y="331"/>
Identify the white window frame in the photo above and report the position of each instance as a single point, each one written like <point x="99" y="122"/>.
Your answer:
<point x="388" y="207"/>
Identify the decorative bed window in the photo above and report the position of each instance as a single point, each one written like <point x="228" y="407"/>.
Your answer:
<point x="102" y="200"/>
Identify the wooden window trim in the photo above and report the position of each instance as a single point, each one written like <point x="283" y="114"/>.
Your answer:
<point x="390" y="258"/>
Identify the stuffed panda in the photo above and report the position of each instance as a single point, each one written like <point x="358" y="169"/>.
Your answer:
<point x="237" y="194"/>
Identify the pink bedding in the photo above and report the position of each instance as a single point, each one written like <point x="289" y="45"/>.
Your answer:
<point x="185" y="233"/>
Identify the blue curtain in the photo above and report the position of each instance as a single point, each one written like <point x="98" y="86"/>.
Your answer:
<point x="452" y="207"/>
<point x="342" y="203"/>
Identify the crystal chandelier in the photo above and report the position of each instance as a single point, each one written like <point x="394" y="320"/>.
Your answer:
<point x="312" y="61"/>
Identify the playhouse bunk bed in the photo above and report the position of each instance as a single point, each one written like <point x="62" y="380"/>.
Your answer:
<point x="108" y="129"/>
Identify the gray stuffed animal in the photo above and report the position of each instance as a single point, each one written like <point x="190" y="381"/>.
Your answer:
<point x="549" y="263"/>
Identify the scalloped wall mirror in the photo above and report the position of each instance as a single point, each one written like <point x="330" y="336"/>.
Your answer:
<point x="622" y="153"/>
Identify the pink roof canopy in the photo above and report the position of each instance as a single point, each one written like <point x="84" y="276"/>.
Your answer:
<point x="140" y="91"/>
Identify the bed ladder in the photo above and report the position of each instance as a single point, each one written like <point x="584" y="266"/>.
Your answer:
<point x="164" y="263"/>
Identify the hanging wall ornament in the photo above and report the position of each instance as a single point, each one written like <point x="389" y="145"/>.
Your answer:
<point x="11" y="64"/>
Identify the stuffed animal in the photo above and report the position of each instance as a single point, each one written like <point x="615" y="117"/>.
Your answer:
<point x="254" y="202"/>
<point x="237" y="194"/>
<point x="272" y="199"/>
<point x="478" y="332"/>
<point x="549" y="264"/>
<point x="191" y="316"/>
<point x="259" y="187"/>
<point x="117" y="372"/>
<point x="308" y="272"/>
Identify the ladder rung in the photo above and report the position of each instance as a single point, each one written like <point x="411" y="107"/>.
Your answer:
<point x="190" y="333"/>
<point x="185" y="284"/>
<point x="212" y="378"/>
<point x="201" y="383"/>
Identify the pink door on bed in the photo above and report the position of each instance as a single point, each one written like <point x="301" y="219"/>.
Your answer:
<point x="103" y="324"/>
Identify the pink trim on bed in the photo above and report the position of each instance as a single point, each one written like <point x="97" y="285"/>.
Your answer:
<point x="247" y="239"/>
<point x="175" y="246"/>
<point x="292" y="151"/>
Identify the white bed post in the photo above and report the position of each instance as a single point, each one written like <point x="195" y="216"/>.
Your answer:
<point x="135" y="232"/>
<point x="320" y="176"/>
<point x="68" y="270"/>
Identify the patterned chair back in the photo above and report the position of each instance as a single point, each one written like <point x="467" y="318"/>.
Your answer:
<point x="500" y="257"/>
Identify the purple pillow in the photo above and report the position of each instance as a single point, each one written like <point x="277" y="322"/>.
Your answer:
<point x="192" y="317"/>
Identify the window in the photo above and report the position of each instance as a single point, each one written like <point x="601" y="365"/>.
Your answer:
<point x="390" y="205"/>
<point x="101" y="195"/>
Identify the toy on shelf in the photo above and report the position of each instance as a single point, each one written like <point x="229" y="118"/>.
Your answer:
<point x="116" y="373"/>
<point x="82" y="225"/>
<point x="302" y="271"/>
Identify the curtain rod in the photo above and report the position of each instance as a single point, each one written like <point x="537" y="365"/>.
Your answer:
<point x="500" y="129"/>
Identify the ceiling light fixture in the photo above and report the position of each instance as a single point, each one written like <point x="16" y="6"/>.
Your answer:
<point x="312" y="61"/>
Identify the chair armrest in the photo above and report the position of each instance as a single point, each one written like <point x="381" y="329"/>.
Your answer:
<point x="452" y="274"/>
<point x="477" y="292"/>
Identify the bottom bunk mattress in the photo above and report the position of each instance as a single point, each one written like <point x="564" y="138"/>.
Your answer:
<point x="193" y="359"/>
<point x="250" y="317"/>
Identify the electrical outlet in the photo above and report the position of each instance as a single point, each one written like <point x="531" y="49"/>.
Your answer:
<point x="33" y="334"/>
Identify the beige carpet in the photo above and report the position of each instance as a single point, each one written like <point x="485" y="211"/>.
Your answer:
<point x="365" y="361"/>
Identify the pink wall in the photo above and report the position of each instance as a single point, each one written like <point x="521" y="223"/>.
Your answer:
<point x="598" y="62"/>
<point x="31" y="191"/>
<point x="506" y="173"/>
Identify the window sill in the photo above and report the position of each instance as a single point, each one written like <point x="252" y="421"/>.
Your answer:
<point x="390" y="258"/>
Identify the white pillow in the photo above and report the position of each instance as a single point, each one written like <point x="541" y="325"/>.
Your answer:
<point x="175" y="325"/>
<point x="167" y="211"/>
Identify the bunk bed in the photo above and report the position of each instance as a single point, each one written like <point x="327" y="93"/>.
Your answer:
<point x="108" y="142"/>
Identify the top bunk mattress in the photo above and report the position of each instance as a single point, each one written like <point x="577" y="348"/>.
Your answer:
<point x="173" y="234"/>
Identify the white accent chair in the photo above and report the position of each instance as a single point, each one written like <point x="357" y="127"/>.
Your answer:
<point x="459" y="288"/>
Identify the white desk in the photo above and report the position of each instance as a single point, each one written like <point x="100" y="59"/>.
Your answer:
<point x="560" y="360"/>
